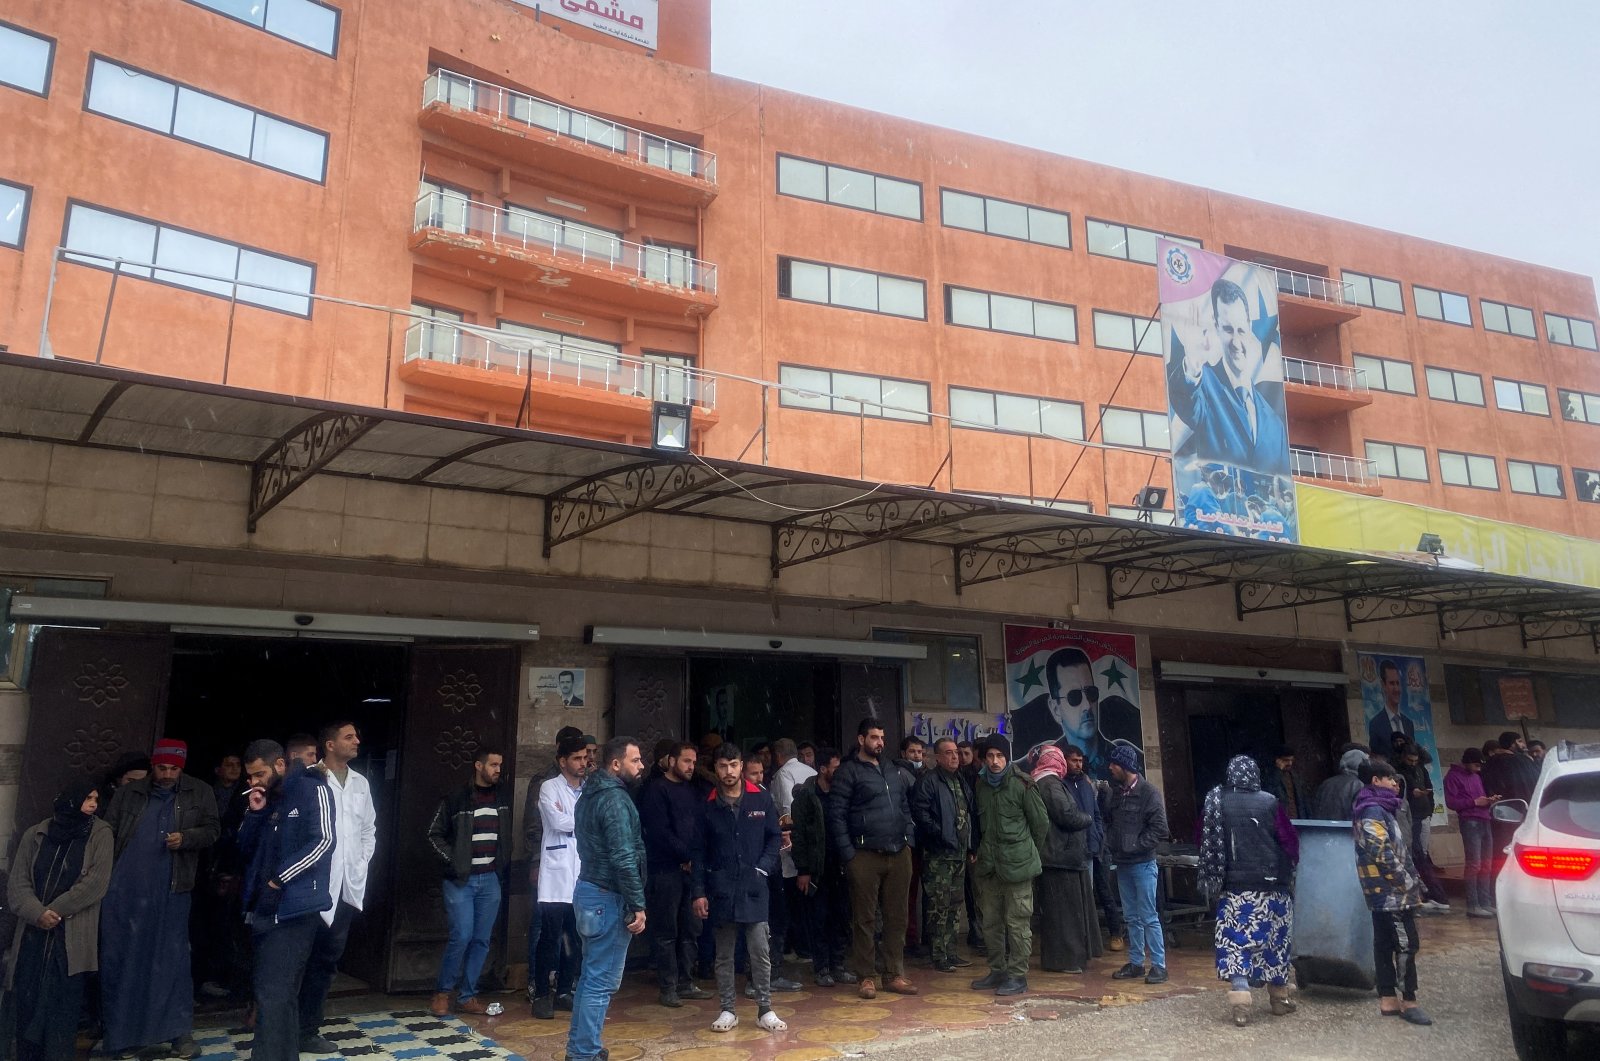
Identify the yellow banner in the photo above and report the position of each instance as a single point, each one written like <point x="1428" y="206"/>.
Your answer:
<point x="1335" y="519"/>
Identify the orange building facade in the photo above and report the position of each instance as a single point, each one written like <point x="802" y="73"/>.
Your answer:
<point x="477" y="209"/>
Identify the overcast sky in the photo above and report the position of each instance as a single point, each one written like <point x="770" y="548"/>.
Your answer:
<point x="1473" y="122"/>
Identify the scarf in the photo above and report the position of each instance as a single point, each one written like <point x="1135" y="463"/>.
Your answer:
<point x="996" y="778"/>
<point x="1372" y="796"/>
<point x="60" y="860"/>
<point x="1243" y="776"/>
<point x="1051" y="761"/>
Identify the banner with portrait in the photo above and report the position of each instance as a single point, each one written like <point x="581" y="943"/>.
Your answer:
<point x="1072" y="687"/>
<point x="1395" y="699"/>
<point x="1224" y="368"/>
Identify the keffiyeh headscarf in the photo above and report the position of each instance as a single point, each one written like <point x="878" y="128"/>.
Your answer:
<point x="1051" y="761"/>
<point x="1243" y="776"/>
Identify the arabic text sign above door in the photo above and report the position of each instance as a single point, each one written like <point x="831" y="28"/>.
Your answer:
<point x="631" y="20"/>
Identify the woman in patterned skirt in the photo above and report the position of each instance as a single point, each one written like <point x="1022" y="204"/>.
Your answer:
<point x="1247" y="857"/>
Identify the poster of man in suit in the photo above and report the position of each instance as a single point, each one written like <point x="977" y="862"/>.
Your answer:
<point x="1224" y="371"/>
<point x="1395" y="700"/>
<point x="1072" y="687"/>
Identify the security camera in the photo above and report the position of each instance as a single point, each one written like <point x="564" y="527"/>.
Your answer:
<point x="774" y="643"/>
<point x="304" y="620"/>
<point x="1261" y="673"/>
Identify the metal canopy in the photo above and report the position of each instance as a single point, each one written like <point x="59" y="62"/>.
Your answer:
<point x="587" y="485"/>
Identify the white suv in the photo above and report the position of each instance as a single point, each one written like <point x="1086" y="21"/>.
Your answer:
<point x="1548" y="894"/>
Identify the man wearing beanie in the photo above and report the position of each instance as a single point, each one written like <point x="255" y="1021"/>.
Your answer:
<point x="1011" y="829"/>
<point x="1463" y="793"/>
<point x="1136" y="823"/>
<point x="161" y="823"/>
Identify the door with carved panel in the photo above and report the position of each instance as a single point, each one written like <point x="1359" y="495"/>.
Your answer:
<point x="93" y="696"/>
<point x="461" y="698"/>
<point x="650" y="698"/>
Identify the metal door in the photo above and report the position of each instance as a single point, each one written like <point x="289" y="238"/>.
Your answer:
<point x="93" y="696"/>
<point x="462" y="697"/>
<point x="650" y="699"/>
<point x="871" y="690"/>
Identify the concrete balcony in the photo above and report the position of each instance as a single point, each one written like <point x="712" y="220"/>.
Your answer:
<point x="557" y="139"/>
<point x="587" y="262"/>
<point x="570" y="388"/>
<point x="1315" y="390"/>
<point x="1356" y="474"/>
<point x="1308" y="303"/>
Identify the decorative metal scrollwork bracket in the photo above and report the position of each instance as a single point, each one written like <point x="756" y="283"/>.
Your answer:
<point x="838" y="530"/>
<point x="613" y="496"/>
<point x="297" y="456"/>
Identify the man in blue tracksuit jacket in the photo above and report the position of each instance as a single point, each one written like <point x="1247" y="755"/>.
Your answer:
<point x="287" y="841"/>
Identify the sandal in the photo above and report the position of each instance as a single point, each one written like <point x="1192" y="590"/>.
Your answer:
<point x="726" y="1022"/>
<point x="771" y="1022"/>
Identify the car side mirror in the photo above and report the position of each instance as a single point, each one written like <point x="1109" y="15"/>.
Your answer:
<point x="1512" y="811"/>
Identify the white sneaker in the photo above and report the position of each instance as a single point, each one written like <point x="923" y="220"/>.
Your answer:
<point x="772" y="1022"/>
<point x="726" y="1022"/>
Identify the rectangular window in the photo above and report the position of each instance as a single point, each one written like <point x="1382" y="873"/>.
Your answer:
<point x="1134" y="427"/>
<point x="1123" y="331"/>
<point x="950" y="677"/>
<point x="1441" y="305"/>
<point x="1526" y="477"/>
<point x="855" y="188"/>
<point x="1511" y="320"/>
<point x="1586" y="481"/>
<point x="13" y="213"/>
<point x="1579" y="407"/>
<point x="1569" y="331"/>
<point x="1112" y="239"/>
<point x="1448" y="385"/>
<point x="185" y="113"/>
<point x="998" y="217"/>
<point x="1008" y="313"/>
<point x="1521" y="397"/>
<point x="1468" y="469"/>
<point x="309" y="23"/>
<point x="847" y="392"/>
<point x="26" y="58"/>
<point x="836" y="285"/>
<point x="99" y="237"/>
<point x="1022" y="414"/>
<point x="1374" y="291"/>
<point x="1386" y="374"/>
<point x="1395" y="461"/>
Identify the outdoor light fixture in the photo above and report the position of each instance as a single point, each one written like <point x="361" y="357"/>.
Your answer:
<point x="1148" y="500"/>
<point x="669" y="427"/>
<point x="1431" y="543"/>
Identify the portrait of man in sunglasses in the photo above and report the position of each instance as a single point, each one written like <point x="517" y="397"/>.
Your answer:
<point x="1070" y="712"/>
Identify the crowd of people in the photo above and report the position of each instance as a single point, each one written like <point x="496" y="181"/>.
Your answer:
<point x="728" y="862"/>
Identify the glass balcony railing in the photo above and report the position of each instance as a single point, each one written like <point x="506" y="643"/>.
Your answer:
<point x="571" y="241"/>
<point x="1320" y="374"/>
<point x="480" y="97"/>
<point x="1307" y="285"/>
<point x="1313" y="464"/>
<point x="580" y="365"/>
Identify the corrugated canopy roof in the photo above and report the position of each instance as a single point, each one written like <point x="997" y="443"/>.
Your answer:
<point x="586" y="484"/>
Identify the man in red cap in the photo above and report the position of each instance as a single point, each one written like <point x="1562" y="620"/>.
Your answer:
<point x="161" y="823"/>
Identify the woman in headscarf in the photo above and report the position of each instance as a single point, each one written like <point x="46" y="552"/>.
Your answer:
<point x="1069" y="931"/>
<point x="58" y="877"/>
<point x="1248" y="853"/>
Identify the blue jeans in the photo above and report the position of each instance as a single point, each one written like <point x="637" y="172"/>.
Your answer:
<point x="605" y="949"/>
<point x="472" y="909"/>
<point x="1477" y="845"/>
<point x="1137" y="883"/>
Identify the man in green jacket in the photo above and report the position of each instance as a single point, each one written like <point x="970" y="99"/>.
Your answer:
<point x="1012" y="825"/>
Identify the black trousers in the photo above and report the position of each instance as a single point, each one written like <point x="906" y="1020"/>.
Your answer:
<point x="674" y="930"/>
<point x="326" y="950"/>
<point x="1394" y="952"/>
<point x="777" y="920"/>
<point x="831" y="908"/>
<point x="802" y="918"/>
<point x="1105" y="893"/>
<point x="282" y="951"/>
<point x="560" y="951"/>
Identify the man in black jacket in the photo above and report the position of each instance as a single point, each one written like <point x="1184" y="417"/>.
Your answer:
<point x="669" y="812"/>
<point x="471" y="836"/>
<point x="1136" y="824"/>
<point x="869" y="825"/>
<point x="736" y="856"/>
<point x="947" y="835"/>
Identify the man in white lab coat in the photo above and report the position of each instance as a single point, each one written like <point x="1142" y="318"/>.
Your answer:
<point x="355" y="838"/>
<point x="559" y="950"/>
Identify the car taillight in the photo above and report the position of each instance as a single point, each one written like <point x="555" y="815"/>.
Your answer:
<point x="1556" y="863"/>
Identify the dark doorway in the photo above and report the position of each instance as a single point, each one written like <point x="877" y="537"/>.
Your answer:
<point x="750" y="699"/>
<point x="226" y="691"/>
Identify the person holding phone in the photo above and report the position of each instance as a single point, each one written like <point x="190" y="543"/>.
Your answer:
<point x="1464" y="794"/>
